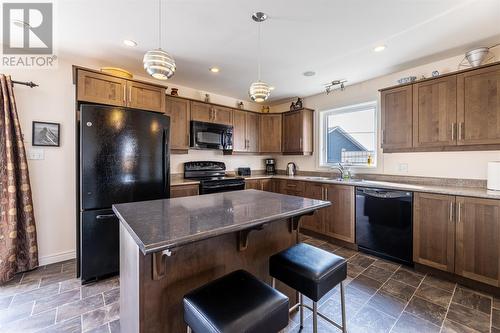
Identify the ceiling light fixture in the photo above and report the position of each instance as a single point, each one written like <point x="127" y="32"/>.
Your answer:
<point x="214" y="69"/>
<point x="272" y="88"/>
<point x="309" y="73"/>
<point x="158" y="63"/>
<point x="259" y="91"/>
<point x="379" y="48"/>
<point x="130" y="42"/>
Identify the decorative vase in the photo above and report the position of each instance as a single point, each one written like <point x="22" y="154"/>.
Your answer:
<point x="240" y="105"/>
<point x="298" y="104"/>
<point x="174" y="91"/>
<point x="292" y="106"/>
<point x="207" y="98"/>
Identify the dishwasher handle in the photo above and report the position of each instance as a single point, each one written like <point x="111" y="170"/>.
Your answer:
<point x="383" y="193"/>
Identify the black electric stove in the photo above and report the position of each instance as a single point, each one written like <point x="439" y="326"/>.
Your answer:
<point x="212" y="177"/>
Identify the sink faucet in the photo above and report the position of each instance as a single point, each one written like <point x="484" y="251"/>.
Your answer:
<point x="345" y="173"/>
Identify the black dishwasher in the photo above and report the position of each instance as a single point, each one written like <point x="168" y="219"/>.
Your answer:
<point x="384" y="223"/>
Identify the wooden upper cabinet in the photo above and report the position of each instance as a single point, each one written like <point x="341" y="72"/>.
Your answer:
<point x="222" y="115"/>
<point x="338" y="219"/>
<point x="434" y="230"/>
<point x="478" y="240"/>
<point x="252" y="131"/>
<point x="270" y="133"/>
<point x="239" y="128"/>
<point x="435" y="112"/>
<point x="145" y="97"/>
<point x="315" y="221"/>
<point x="209" y="113"/>
<point x="100" y="88"/>
<point x="479" y="106"/>
<point x="178" y="110"/>
<point x="397" y="117"/>
<point x="298" y="132"/>
<point x="201" y="112"/>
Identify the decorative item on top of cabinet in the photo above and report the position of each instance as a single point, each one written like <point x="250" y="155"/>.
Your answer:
<point x="270" y="133"/>
<point x="397" y="121"/>
<point x="178" y="109"/>
<point x="478" y="239"/>
<point x="298" y="132"/>
<point x="174" y="92"/>
<point x="434" y="221"/>
<point x="435" y="112"/>
<point x="188" y="190"/>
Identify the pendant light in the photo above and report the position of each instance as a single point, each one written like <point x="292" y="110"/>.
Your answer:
<point x="259" y="91"/>
<point x="158" y="63"/>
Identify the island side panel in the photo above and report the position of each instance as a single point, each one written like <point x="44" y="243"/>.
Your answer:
<point x="130" y="287"/>
<point x="195" y="264"/>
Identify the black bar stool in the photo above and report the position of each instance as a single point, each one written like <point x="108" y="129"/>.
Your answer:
<point x="237" y="302"/>
<point x="312" y="272"/>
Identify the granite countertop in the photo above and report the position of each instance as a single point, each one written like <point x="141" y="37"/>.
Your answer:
<point x="162" y="224"/>
<point x="438" y="189"/>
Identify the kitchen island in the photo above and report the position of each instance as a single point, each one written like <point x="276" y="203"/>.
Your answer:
<point x="169" y="247"/>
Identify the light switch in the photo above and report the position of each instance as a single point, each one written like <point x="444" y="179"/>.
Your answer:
<point x="403" y="167"/>
<point x="36" y="154"/>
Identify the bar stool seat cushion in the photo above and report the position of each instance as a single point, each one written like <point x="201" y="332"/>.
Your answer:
<point x="237" y="302"/>
<point x="311" y="271"/>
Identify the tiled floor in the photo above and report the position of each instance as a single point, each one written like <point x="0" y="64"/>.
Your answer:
<point x="380" y="297"/>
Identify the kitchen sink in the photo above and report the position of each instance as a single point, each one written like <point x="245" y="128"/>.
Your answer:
<point x="352" y="180"/>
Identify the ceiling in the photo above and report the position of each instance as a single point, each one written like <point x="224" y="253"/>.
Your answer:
<point x="334" y="38"/>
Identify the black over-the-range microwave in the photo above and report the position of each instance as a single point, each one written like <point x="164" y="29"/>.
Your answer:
<point x="211" y="136"/>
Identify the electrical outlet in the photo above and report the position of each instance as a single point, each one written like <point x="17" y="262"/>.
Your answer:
<point x="403" y="167"/>
<point x="36" y="154"/>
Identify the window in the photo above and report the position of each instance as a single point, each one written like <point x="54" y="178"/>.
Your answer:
<point x="349" y="135"/>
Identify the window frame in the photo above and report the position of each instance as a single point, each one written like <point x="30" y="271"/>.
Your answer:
<point x="323" y="132"/>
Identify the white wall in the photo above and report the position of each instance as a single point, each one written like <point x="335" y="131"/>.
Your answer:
<point x="53" y="178"/>
<point x="471" y="165"/>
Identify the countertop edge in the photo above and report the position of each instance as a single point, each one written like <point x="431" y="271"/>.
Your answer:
<point x="213" y="233"/>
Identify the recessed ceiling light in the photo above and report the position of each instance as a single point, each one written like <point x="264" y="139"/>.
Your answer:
<point x="130" y="43"/>
<point x="271" y="88"/>
<point x="214" y="69"/>
<point x="379" y="48"/>
<point x="309" y="73"/>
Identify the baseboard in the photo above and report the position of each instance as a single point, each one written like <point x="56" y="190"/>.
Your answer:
<point x="58" y="257"/>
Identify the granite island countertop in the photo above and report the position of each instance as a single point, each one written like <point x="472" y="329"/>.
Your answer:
<point x="162" y="224"/>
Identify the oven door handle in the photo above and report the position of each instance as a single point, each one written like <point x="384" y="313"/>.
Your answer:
<point x="211" y="187"/>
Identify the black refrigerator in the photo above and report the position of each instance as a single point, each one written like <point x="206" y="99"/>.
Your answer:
<point x="123" y="157"/>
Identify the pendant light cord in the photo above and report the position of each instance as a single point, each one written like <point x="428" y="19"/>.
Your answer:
<point x="159" y="23"/>
<point x="258" y="55"/>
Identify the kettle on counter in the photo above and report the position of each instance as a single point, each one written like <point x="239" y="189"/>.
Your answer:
<point x="291" y="169"/>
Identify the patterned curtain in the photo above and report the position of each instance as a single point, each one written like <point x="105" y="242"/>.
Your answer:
<point x="18" y="245"/>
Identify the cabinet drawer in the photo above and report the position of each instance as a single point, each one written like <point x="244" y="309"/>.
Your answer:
<point x="292" y="185"/>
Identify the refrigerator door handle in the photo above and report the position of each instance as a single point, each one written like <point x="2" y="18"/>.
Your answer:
<point x="105" y="216"/>
<point x="166" y="164"/>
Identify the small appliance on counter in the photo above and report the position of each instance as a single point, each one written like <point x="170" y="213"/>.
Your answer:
<point x="270" y="166"/>
<point x="244" y="172"/>
<point x="291" y="169"/>
<point x="493" y="176"/>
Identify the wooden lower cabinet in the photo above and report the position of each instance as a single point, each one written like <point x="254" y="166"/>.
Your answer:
<point x="314" y="222"/>
<point x="478" y="239"/>
<point x="434" y="230"/>
<point x="339" y="221"/>
<point x="178" y="191"/>
<point x="260" y="184"/>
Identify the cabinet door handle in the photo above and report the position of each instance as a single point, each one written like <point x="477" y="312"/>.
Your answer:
<point x="322" y="193"/>
<point x="129" y="94"/>
<point x="326" y="193"/>
<point x="300" y="143"/>
<point x="453" y="131"/>
<point x="451" y="211"/>
<point x="383" y="136"/>
<point x="459" y="212"/>
<point x="461" y="131"/>
<point x="124" y="93"/>
<point x="215" y="113"/>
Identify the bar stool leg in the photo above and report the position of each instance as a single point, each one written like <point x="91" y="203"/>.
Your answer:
<point x="301" y="300"/>
<point x="189" y="330"/>
<point x="274" y="283"/>
<point x="315" y="317"/>
<point x="342" y="304"/>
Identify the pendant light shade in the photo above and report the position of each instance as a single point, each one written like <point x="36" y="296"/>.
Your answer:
<point x="259" y="91"/>
<point x="159" y="64"/>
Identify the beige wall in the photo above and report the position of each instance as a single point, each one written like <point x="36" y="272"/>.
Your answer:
<point x="439" y="164"/>
<point x="53" y="178"/>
